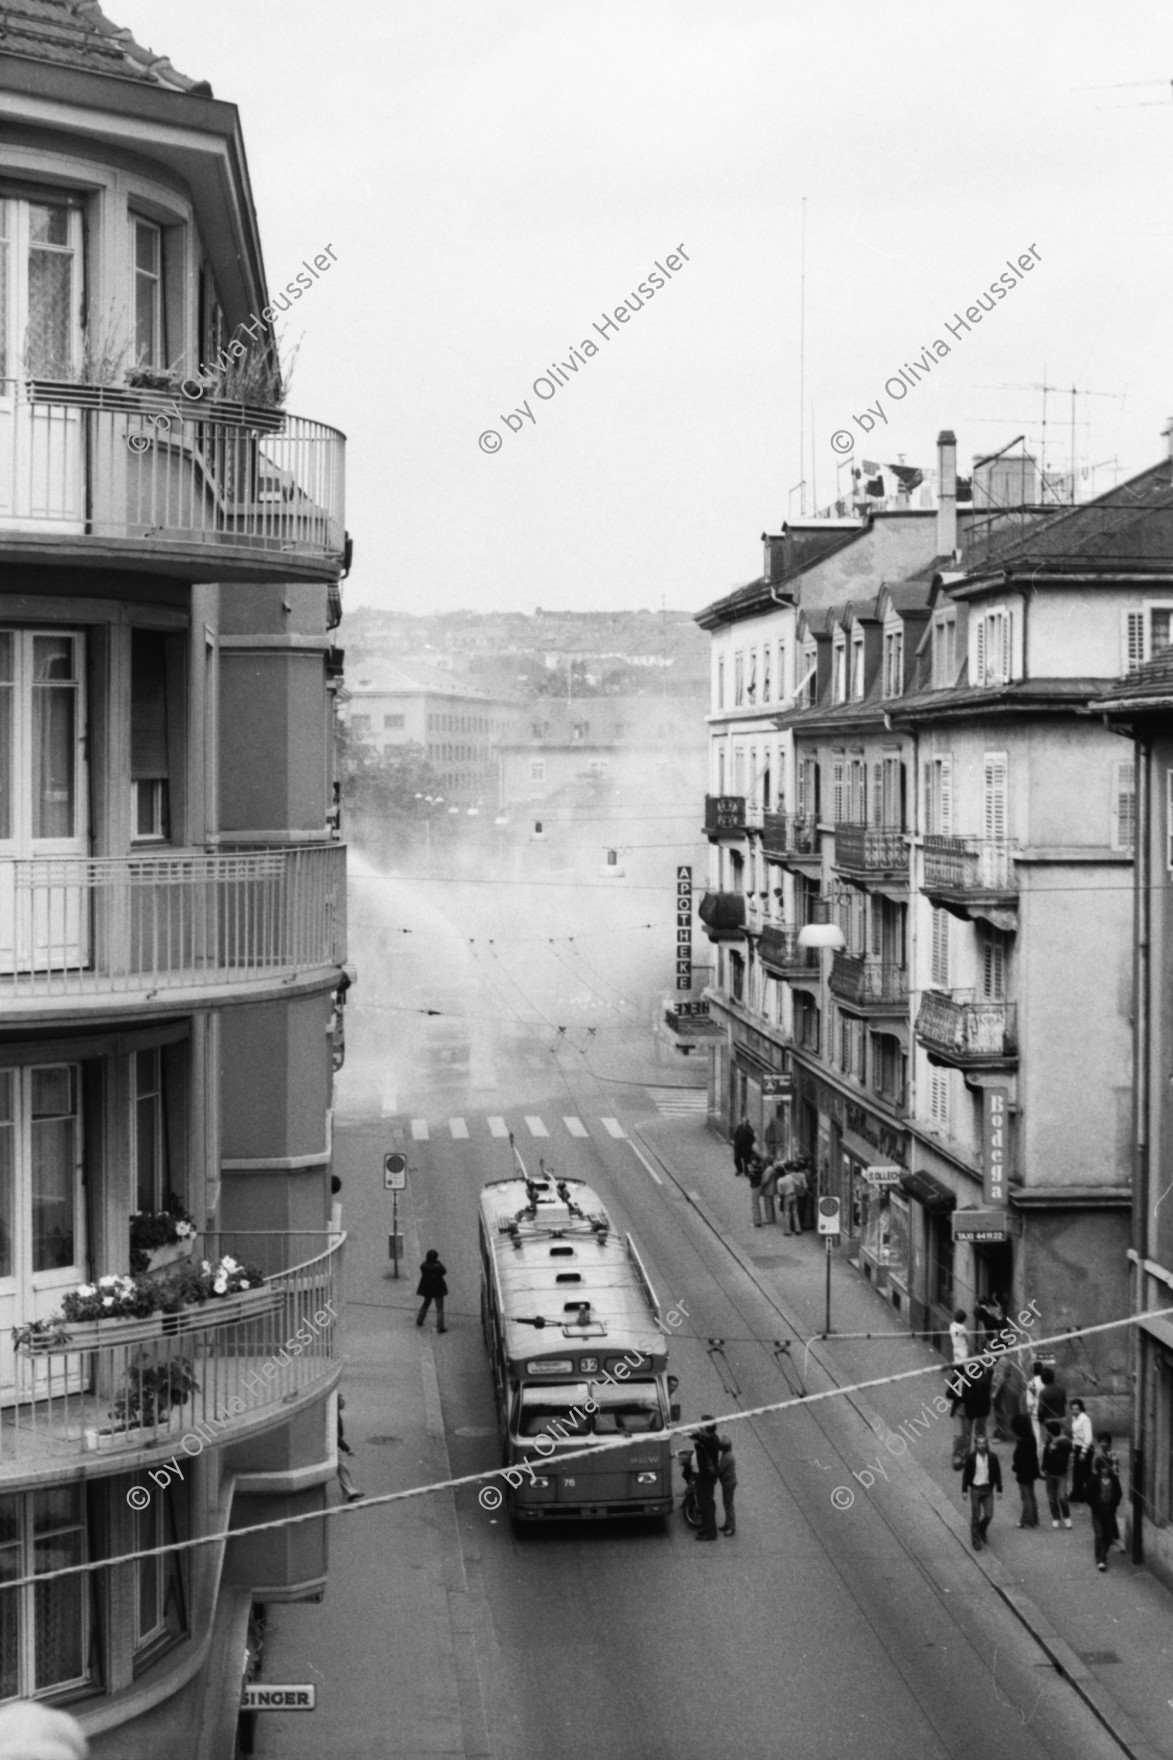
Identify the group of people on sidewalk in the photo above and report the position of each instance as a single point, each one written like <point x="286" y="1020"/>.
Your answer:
<point x="714" y="1465"/>
<point x="1052" y="1436"/>
<point x="771" y="1178"/>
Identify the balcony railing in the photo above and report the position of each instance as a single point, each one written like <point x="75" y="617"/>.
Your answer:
<point x="964" y="1031"/>
<point x="724" y="815"/>
<point x="785" y="835"/>
<point x="723" y="913"/>
<point x="238" y="1361"/>
<point x="164" y="472"/>
<point x="89" y="927"/>
<point x="869" y="983"/>
<point x="778" y="947"/>
<point x="864" y="849"/>
<point x="969" y="866"/>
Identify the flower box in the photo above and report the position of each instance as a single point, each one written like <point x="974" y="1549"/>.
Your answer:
<point x="158" y="1257"/>
<point x="105" y="1437"/>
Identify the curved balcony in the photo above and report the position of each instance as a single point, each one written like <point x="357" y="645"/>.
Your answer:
<point x="251" y="1360"/>
<point x="790" y="837"/>
<point x="160" y="931"/>
<point x="871" y="853"/>
<point x="967" y="1035"/>
<point x="723" y="915"/>
<point x="972" y="877"/>
<point x="108" y="476"/>
<point x="869" y="986"/>
<point x="778" y="948"/>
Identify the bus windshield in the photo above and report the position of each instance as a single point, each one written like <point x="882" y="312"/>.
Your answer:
<point x="627" y="1410"/>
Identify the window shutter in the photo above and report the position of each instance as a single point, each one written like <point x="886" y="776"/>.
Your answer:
<point x="837" y="791"/>
<point x="995" y="797"/>
<point x="879" y="816"/>
<point x="1007" y="619"/>
<point x="929" y="825"/>
<point x="1124" y="813"/>
<point x="877" y="929"/>
<point x="946" y="795"/>
<point x="939" y="1098"/>
<point x="1133" y="640"/>
<point x="981" y="650"/>
<point x="940" y="972"/>
<point x="993" y="967"/>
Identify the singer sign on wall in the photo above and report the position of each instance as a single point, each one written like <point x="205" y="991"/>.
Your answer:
<point x="684" y="928"/>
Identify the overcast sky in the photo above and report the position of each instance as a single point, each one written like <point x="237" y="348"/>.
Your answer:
<point x="496" y="177"/>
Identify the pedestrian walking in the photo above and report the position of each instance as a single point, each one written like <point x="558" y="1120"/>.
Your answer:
<point x="769" y="1186"/>
<point x="770" y="1139"/>
<point x="787" y="1199"/>
<point x="1034" y="1387"/>
<point x="976" y="1380"/>
<point x="959" y="1336"/>
<point x="743" y="1143"/>
<point x="1104" y="1495"/>
<point x="795" y="1203"/>
<point x="1082" y="1449"/>
<point x="707" y="1448"/>
<point x="1052" y="1398"/>
<point x="1056" y="1454"/>
<point x="349" y="1488"/>
<point x="980" y="1480"/>
<point x="757" y="1168"/>
<point x="1025" y="1467"/>
<point x="955" y="1385"/>
<point x="727" y="1478"/>
<point x="433" y="1288"/>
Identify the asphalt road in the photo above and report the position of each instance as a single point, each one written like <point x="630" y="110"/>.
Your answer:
<point x="814" y="1632"/>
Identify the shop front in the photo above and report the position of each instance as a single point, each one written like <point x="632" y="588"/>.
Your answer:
<point x="760" y="1085"/>
<point x="861" y="1159"/>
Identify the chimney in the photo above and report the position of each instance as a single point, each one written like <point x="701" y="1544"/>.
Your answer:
<point x="946" y="492"/>
<point x="1167" y="436"/>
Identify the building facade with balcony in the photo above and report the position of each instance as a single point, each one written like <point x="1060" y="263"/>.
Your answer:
<point x="172" y="890"/>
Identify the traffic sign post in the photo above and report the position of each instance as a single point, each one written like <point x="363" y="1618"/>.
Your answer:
<point x="395" y="1181"/>
<point x="828" y="1222"/>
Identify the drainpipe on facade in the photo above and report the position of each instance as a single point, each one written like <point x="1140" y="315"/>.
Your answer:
<point x="1141" y="866"/>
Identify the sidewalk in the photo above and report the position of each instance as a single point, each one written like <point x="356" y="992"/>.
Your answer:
<point x="1109" y="1633"/>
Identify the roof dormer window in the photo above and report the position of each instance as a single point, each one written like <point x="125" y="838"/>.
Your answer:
<point x="839" y="670"/>
<point x="857" y="670"/>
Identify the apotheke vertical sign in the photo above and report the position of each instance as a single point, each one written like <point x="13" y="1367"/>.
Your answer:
<point x="684" y="928"/>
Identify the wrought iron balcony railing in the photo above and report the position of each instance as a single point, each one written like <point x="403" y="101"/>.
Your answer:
<point x="167" y="473"/>
<point x="723" y="913"/>
<point x="786" y="835"/>
<point x="91" y="927"/>
<point x="866" y="849"/>
<point x="724" y="815"/>
<point x="969" y="866"/>
<point x="965" y="1032"/>
<point x="778" y="947"/>
<point x="869" y="983"/>
<point x="216" y="1372"/>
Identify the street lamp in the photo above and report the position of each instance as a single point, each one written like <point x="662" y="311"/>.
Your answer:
<point x="822" y="935"/>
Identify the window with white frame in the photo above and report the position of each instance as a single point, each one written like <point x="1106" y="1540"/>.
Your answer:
<point x="992" y="949"/>
<point x="751" y="683"/>
<point x="940" y="1097"/>
<point x="160" y="1611"/>
<point x="807" y="696"/>
<point x="781" y="671"/>
<point x="765" y="672"/>
<point x="857" y="791"/>
<point x="839" y="669"/>
<point x="1124" y="804"/>
<point x="889" y="807"/>
<point x="945" y="652"/>
<point x="939" y="796"/>
<point x="994" y="782"/>
<point x="939" y="957"/>
<point x="148" y="294"/>
<point x="738" y="680"/>
<point x="838" y="790"/>
<point x="739" y="770"/>
<point x="992" y="647"/>
<point x="857" y="667"/>
<point x="893" y="662"/>
<point x="1145" y="632"/>
<point x="47" y="1627"/>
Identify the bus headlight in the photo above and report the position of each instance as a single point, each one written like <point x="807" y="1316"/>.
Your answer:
<point x="647" y="1478"/>
<point x="542" y="1484"/>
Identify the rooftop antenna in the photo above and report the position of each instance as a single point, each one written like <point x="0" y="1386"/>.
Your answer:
<point x="802" y="367"/>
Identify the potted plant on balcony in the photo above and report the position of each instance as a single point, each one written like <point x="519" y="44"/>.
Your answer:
<point x="150" y="1394"/>
<point x="161" y="1237"/>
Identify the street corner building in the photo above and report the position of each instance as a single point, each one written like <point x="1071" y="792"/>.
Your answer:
<point x="907" y="749"/>
<point x="172" y="897"/>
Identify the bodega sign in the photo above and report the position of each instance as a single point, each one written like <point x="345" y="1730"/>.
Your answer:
<point x="995" y="1119"/>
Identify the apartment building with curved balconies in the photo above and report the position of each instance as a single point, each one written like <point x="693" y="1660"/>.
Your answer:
<point x="172" y="888"/>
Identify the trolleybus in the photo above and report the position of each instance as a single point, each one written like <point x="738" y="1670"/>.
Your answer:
<point x="571" y="1323"/>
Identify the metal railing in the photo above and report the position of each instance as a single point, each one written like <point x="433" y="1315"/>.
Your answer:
<point x="779" y="947"/>
<point x="969" y="864"/>
<point x="112" y="462"/>
<point x="866" y="849"/>
<point x="118" y="1386"/>
<point x="790" y="834"/>
<point x="72" y="925"/>
<point x="965" y="1029"/>
<point x="868" y="981"/>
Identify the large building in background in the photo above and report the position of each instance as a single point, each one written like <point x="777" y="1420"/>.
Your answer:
<point x="172" y="894"/>
<point x="908" y="754"/>
<point x="459" y="726"/>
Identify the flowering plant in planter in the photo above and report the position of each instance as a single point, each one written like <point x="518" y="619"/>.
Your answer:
<point x="151" y="1390"/>
<point x="182" y="1285"/>
<point x="111" y="1298"/>
<point x="162" y="1228"/>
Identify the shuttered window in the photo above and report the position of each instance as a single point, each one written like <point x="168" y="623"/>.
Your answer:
<point x="939" y="796"/>
<point x="1133" y="642"/>
<point x="994" y="767"/>
<point x="838" y="809"/>
<point x="992" y="949"/>
<point x="1124" y="805"/>
<point x="940" y="950"/>
<point x="939" y="1098"/>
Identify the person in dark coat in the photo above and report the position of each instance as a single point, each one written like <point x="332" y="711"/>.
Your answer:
<point x="743" y="1142"/>
<point x="433" y="1288"/>
<point x="981" y="1479"/>
<point x="1103" y="1496"/>
<point x="1056" y="1454"/>
<point x="707" y="1447"/>
<point x="1025" y="1467"/>
<point x="1052" y="1398"/>
<point x="345" y="1478"/>
<point x="975" y="1401"/>
<point x="727" y="1476"/>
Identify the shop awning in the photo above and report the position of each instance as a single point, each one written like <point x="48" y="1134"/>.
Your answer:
<point x="985" y="1225"/>
<point x="927" y="1190"/>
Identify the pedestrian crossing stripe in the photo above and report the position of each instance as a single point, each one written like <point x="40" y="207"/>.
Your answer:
<point x="459" y="1128"/>
<point x="498" y="1127"/>
<point x="614" y="1129"/>
<point x="536" y="1127"/>
<point x="419" y="1130"/>
<point x="575" y="1126"/>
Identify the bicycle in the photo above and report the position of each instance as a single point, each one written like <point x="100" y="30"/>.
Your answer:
<point x="689" y="1508"/>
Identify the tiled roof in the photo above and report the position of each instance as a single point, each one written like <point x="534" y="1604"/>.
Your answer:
<point x="1130" y="524"/>
<point x="1023" y="693"/>
<point x="77" y="34"/>
<point x="1148" y="683"/>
